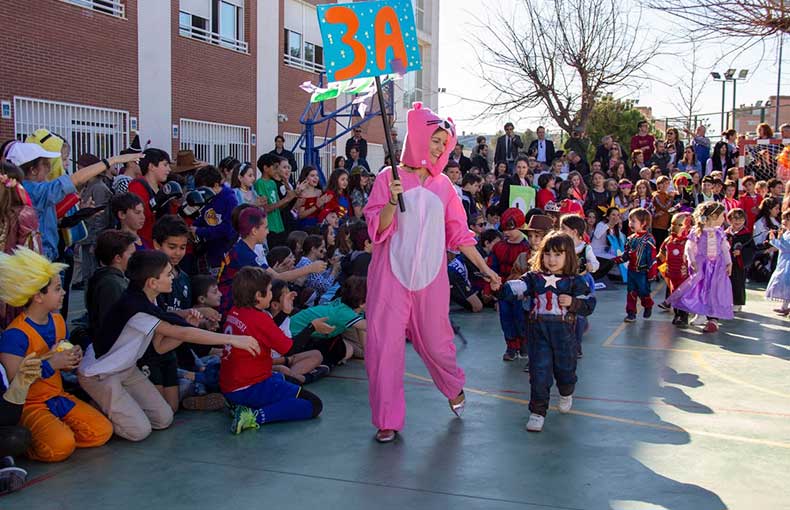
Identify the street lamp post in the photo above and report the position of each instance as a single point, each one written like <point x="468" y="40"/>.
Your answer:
<point x="717" y="77"/>
<point x="729" y="75"/>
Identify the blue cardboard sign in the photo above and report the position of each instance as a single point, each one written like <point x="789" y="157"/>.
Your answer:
<point x="367" y="39"/>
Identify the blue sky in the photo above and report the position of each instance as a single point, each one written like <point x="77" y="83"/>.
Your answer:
<point x="457" y="60"/>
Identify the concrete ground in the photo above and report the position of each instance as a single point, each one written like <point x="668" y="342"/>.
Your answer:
<point x="662" y="418"/>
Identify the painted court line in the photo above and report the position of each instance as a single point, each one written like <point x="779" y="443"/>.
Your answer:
<point x="627" y="421"/>
<point x="701" y="361"/>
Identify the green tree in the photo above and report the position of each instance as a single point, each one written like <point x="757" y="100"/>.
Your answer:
<point x="612" y="117"/>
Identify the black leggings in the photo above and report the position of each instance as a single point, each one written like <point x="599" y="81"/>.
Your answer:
<point x="605" y="265"/>
<point x="14" y="440"/>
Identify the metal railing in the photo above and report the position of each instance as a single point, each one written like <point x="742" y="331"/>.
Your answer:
<point x="111" y="7"/>
<point x="301" y="63"/>
<point x="214" y="38"/>
<point x="103" y="132"/>
<point x="212" y="141"/>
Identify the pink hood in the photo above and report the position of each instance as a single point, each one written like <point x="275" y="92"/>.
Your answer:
<point x="422" y="123"/>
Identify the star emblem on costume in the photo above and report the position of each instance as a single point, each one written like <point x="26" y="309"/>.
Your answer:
<point x="551" y="280"/>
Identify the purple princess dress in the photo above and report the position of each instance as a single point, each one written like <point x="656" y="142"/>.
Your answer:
<point x="707" y="291"/>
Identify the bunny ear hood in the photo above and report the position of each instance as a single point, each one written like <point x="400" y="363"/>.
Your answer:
<point x="422" y="123"/>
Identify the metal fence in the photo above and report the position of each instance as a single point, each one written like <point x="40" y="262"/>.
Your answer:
<point x="212" y="38"/>
<point x="103" y="132"/>
<point x="212" y="141"/>
<point x="112" y="7"/>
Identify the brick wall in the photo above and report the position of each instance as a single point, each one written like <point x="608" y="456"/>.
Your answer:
<point x="44" y="55"/>
<point x="213" y="83"/>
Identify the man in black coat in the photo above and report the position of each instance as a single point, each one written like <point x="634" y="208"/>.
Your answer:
<point x="360" y="143"/>
<point x="542" y="149"/>
<point x="457" y="155"/>
<point x="507" y="147"/>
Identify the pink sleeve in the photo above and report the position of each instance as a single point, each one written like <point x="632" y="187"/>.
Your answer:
<point x="456" y="230"/>
<point x="379" y="196"/>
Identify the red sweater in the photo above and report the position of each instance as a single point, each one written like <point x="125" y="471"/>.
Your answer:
<point x="240" y="369"/>
<point x="751" y="206"/>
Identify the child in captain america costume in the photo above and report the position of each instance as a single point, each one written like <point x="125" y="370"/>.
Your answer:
<point x="556" y="295"/>
<point x="640" y="253"/>
<point x="408" y="287"/>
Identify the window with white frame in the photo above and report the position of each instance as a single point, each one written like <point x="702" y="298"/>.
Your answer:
<point x="112" y="7"/>
<point x="419" y="14"/>
<point x="102" y="132"/>
<point x="303" y="46"/>
<point x="326" y="154"/>
<point x="219" y="22"/>
<point x="212" y="141"/>
<point x="413" y="84"/>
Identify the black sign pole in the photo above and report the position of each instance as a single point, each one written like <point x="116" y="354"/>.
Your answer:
<point x="388" y="138"/>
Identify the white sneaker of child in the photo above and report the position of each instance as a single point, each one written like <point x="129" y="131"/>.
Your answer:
<point x="737" y="308"/>
<point x="535" y="423"/>
<point x="699" y="320"/>
<point x="565" y="404"/>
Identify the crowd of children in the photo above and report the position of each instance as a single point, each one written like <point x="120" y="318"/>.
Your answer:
<point x="235" y="286"/>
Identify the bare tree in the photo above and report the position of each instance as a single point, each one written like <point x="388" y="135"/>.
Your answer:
<point x="561" y="55"/>
<point x="689" y="87"/>
<point x="732" y="18"/>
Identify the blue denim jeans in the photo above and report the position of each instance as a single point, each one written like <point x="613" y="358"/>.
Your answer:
<point x="552" y="357"/>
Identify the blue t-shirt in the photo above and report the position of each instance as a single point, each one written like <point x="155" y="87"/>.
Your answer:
<point x="45" y="196"/>
<point x="241" y="255"/>
<point x="15" y="341"/>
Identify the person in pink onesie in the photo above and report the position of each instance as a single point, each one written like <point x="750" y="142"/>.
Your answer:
<point x="408" y="286"/>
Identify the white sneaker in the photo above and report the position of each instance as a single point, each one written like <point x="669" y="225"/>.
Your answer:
<point x="535" y="423"/>
<point x="565" y="403"/>
<point x="737" y="308"/>
<point x="698" y="320"/>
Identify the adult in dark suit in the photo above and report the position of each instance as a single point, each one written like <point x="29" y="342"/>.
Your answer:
<point x="357" y="141"/>
<point x="457" y="155"/>
<point x="542" y="149"/>
<point x="507" y="147"/>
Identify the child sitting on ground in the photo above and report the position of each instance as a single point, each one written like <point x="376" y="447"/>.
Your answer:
<point x="198" y="365"/>
<point x="303" y="367"/>
<point x="57" y="421"/>
<point x="253" y="228"/>
<point x="113" y="250"/>
<point x="346" y="315"/>
<point x="247" y="381"/>
<point x="109" y="372"/>
<point x="128" y="210"/>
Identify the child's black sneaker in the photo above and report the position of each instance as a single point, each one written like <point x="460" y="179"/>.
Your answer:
<point x="664" y="306"/>
<point x="631" y="317"/>
<point x="647" y="312"/>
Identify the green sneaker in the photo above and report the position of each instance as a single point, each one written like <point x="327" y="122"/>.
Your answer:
<point x="244" y="418"/>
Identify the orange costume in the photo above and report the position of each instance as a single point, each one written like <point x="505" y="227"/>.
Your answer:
<point x="58" y="421"/>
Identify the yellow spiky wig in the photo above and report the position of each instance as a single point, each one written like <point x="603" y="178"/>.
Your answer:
<point x="53" y="143"/>
<point x="24" y="274"/>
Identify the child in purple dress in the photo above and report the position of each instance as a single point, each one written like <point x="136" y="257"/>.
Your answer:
<point x="708" y="291"/>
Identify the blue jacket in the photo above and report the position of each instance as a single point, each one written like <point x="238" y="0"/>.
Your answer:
<point x="214" y="226"/>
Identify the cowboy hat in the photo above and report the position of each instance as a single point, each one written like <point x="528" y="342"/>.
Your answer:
<point x="185" y="162"/>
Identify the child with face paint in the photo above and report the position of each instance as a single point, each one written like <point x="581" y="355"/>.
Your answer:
<point x="408" y="288"/>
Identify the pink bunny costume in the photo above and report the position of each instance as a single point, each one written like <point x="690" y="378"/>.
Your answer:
<point x="408" y="287"/>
